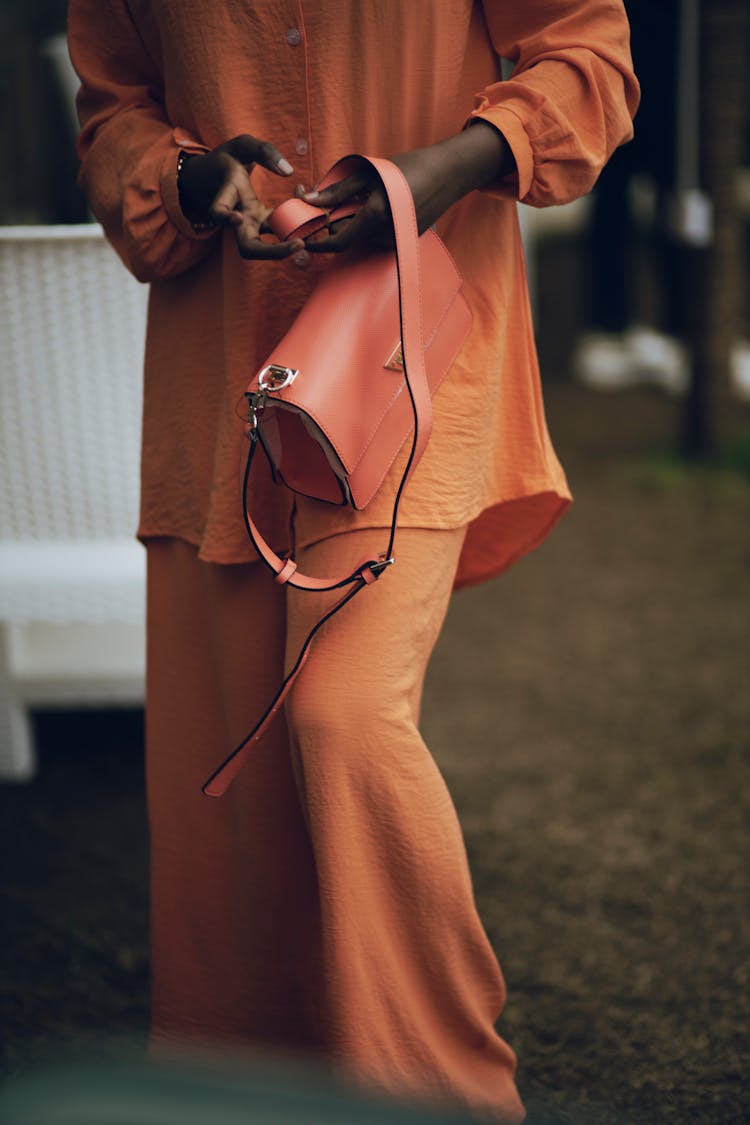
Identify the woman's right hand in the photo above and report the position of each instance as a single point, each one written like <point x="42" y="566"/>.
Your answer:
<point x="215" y="188"/>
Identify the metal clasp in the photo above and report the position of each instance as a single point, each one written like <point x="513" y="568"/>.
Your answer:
<point x="256" y="400"/>
<point x="274" y="377"/>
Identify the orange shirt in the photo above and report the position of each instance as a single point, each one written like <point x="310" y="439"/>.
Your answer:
<point x="322" y="78"/>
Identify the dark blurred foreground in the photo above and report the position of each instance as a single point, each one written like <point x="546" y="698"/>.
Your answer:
<point x="196" y="1091"/>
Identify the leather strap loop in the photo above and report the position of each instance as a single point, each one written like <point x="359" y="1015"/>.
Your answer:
<point x="369" y="575"/>
<point x="286" y="572"/>
<point x="296" y="219"/>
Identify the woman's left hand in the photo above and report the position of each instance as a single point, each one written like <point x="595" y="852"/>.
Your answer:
<point x="437" y="175"/>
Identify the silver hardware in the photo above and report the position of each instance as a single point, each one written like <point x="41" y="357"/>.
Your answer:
<point x="274" y="377"/>
<point x="255" y="402"/>
<point x="381" y="564"/>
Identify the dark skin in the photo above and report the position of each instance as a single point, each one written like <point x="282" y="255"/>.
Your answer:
<point x="216" y="187"/>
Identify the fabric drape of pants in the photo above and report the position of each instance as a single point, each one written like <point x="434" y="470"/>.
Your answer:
<point x="325" y="902"/>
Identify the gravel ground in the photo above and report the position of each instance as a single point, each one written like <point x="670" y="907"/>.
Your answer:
<point x="590" y="711"/>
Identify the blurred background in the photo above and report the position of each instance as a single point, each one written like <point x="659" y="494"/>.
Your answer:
<point x="602" y="776"/>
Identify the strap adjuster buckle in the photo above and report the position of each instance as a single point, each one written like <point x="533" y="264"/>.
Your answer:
<point x="375" y="567"/>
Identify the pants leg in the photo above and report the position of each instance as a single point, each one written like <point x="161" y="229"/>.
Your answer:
<point x="234" y="901"/>
<point x="343" y="921"/>
<point x="412" y="985"/>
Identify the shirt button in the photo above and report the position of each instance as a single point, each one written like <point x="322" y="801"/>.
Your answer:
<point x="301" y="147"/>
<point x="294" y="37"/>
<point x="302" y="258"/>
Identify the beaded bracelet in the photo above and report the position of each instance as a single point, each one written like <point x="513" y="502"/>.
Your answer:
<point x="198" y="227"/>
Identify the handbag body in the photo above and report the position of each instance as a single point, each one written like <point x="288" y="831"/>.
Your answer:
<point x="352" y="379"/>
<point x="333" y="431"/>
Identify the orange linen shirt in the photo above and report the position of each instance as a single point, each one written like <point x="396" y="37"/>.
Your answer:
<point x="323" y="78"/>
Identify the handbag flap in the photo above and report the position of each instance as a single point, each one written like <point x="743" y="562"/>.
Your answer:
<point x="345" y="344"/>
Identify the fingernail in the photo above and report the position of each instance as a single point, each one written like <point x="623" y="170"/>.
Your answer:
<point x="285" y="167"/>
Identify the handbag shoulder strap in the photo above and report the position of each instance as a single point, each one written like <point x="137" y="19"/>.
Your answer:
<point x="412" y="338"/>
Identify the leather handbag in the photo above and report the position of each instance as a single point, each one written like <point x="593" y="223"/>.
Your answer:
<point x="338" y="396"/>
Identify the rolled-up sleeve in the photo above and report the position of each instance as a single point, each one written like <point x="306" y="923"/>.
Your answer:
<point x="570" y="99"/>
<point x="127" y="146"/>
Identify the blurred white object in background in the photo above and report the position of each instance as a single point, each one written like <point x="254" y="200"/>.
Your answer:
<point x="56" y="50"/>
<point x="739" y="370"/>
<point x="601" y="361"/>
<point x="540" y="223"/>
<point x="660" y="360"/>
<point x="640" y="356"/>
<point x="72" y="577"/>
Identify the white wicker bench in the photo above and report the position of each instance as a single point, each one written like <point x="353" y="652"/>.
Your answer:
<point x="71" y="574"/>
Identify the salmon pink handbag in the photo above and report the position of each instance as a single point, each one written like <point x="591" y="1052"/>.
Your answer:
<point x="338" y="396"/>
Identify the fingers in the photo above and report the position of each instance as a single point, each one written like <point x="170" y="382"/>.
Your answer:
<point x="229" y="198"/>
<point x="254" y="247"/>
<point x="370" y="226"/>
<point x="348" y="232"/>
<point x="249" y="150"/>
<point x="234" y="196"/>
<point x="248" y="226"/>
<point x="236" y="205"/>
<point x="330" y="197"/>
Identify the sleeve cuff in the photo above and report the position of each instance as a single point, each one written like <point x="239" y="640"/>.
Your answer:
<point x="169" y="193"/>
<point x="518" y="184"/>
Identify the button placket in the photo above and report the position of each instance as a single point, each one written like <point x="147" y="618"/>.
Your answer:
<point x="297" y="36"/>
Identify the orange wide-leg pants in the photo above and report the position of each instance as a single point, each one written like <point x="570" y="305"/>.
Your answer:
<point x="325" y="902"/>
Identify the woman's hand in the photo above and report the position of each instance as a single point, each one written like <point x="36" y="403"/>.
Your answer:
<point x="438" y="176"/>
<point x="216" y="188"/>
